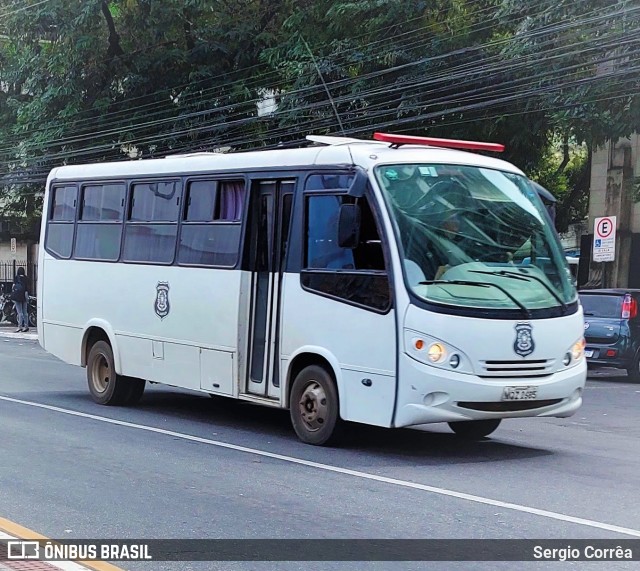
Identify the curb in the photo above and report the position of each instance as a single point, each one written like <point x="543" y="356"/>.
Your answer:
<point x="10" y="531"/>
<point x="13" y="335"/>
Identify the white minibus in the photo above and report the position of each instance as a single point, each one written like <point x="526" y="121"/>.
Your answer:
<point x="395" y="282"/>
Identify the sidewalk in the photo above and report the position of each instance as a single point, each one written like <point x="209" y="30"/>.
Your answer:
<point x="9" y="330"/>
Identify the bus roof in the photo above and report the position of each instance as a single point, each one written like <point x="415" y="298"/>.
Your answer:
<point x="332" y="151"/>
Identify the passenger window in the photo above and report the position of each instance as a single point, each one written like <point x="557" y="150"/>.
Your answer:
<point x="211" y="228"/>
<point x="63" y="205"/>
<point x="155" y="201"/>
<point x="99" y="230"/>
<point x="59" y="240"/>
<point x="103" y="202"/>
<point x="152" y="230"/>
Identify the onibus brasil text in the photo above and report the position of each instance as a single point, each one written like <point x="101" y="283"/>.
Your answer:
<point x="50" y="551"/>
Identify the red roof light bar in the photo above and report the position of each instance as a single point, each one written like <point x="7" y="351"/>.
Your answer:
<point x="434" y="142"/>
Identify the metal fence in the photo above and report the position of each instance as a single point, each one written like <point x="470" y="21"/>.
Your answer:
<point x="8" y="272"/>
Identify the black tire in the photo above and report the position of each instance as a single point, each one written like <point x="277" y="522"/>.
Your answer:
<point x="633" y="372"/>
<point x="136" y="390"/>
<point x="105" y="385"/>
<point x="474" y="429"/>
<point x="314" y="407"/>
<point x="33" y="318"/>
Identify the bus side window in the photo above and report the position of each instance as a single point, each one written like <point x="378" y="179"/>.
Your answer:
<point x="60" y="226"/>
<point x="323" y="251"/>
<point x="355" y="276"/>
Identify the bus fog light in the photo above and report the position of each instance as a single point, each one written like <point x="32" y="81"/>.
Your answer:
<point x="436" y="353"/>
<point x="454" y="361"/>
<point x="567" y="359"/>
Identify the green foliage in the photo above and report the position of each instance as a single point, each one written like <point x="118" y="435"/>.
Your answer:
<point x="101" y="80"/>
<point x="567" y="178"/>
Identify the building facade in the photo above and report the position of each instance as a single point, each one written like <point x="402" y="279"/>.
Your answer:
<point x="614" y="191"/>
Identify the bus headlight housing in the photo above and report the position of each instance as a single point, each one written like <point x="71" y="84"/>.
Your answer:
<point x="574" y="355"/>
<point x="577" y="351"/>
<point x="435" y="352"/>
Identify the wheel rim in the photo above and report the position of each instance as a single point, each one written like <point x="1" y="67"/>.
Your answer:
<point x="100" y="373"/>
<point x="313" y="406"/>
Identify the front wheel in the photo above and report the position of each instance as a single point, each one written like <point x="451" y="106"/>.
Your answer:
<point x="474" y="429"/>
<point x="33" y="318"/>
<point x="105" y="385"/>
<point x="314" y="407"/>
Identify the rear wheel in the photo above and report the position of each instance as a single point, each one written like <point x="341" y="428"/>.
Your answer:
<point x="474" y="429"/>
<point x="105" y="385"/>
<point x="33" y="319"/>
<point x="314" y="407"/>
<point x="634" y="370"/>
<point x="136" y="390"/>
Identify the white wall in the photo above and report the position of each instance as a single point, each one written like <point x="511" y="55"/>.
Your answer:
<point x="7" y="256"/>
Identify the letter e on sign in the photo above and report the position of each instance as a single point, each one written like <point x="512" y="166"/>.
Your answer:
<point x="604" y="239"/>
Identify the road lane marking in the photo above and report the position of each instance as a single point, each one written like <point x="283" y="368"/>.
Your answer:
<point x="339" y="470"/>
<point x="10" y="530"/>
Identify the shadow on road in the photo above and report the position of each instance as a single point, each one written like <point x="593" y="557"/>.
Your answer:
<point x="609" y="375"/>
<point x="273" y="426"/>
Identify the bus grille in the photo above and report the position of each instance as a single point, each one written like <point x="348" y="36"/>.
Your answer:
<point x="517" y="368"/>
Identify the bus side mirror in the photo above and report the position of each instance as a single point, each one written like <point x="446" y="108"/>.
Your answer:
<point x="349" y="226"/>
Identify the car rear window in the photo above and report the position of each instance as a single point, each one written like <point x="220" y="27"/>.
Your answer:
<point x="602" y="305"/>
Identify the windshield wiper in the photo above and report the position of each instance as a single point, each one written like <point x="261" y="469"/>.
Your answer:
<point x="523" y="307"/>
<point x="516" y="276"/>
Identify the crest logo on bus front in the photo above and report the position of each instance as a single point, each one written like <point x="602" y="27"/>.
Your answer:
<point x="161" y="304"/>
<point x="524" y="344"/>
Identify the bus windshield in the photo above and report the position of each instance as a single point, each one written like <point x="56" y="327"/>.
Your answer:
<point x="475" y="237"/>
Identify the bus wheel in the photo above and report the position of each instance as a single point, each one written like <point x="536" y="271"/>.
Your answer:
<point x="314" y="407"/>
<point x="474" y="429"/>
<point x="135" y="389"/>
<point x="105" y="385"/>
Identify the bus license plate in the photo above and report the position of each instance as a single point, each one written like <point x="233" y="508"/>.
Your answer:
<point x="520" y="393"/>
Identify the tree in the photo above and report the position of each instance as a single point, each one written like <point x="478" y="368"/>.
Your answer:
<point x="99" y="80"/>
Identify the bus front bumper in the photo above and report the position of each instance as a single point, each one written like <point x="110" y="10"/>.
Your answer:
<point x="428" y="395"/>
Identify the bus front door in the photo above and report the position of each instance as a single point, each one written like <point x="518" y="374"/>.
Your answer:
<point x="268" y="228"/>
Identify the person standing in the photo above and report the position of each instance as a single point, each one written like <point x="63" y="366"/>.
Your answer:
<point x="20" y="297"/>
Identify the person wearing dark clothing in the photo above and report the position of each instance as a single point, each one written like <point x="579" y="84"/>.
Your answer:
<point x="20" y="297"/>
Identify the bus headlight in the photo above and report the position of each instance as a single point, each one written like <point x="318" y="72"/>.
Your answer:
<point x="577" y="351"/>
<point x="575" y="354"/>
<point x="435" y="352"/>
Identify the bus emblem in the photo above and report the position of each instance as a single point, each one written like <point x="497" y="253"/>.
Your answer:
<point x="524" y="344"/>
<point x="161" y="305"/>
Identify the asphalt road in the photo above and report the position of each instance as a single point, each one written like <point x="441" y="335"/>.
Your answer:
<point x="140" y="473"/>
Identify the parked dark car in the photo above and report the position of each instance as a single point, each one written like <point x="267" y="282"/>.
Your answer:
<point x="612" y="328"/>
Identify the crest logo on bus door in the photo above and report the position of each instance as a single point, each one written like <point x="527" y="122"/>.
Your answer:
<point x="161" y="304"/>
<point x="524" y="344"/>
